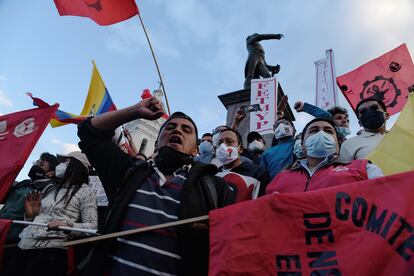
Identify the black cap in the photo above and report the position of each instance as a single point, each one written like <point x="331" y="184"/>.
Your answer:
<point x="51" y="159"/>
<point x="253" y="135"/>
<point x="182" y="115"/>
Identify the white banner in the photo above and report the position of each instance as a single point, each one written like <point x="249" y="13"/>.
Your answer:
<point x="264" y="93"/>
<point x="326" y="95"/>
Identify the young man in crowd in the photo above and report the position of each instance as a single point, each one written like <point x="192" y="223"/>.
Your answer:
<point x="338" y="114"/>
<point x="280" y="155"/>
<point x="320" y="169"/>
<point x="171" y="188"/>
<point x="205" y="149"/>
<point x="256" y="145"/>
<point x="228" y="153"/>
<point x="372" y="115"/>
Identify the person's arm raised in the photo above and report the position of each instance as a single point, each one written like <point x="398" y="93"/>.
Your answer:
<point x="150" y="109"/>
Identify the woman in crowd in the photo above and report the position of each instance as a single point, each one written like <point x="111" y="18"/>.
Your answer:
<point x="70" y="203"/>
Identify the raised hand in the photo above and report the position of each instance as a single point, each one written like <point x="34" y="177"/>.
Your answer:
<point x="150" y="109"/>
<point x="283" y="103"/>
<point x="32" y="204"/>
<point x="240" y="115"/>
<point x="279" y="36"/>
<point x="299" y="106"/>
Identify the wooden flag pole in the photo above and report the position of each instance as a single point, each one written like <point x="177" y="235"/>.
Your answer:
<point x="156" y="64"/>
<point x="137" y="230"/>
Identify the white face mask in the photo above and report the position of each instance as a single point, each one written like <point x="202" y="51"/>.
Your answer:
<point x="320" y="145"/>
<point x="60" y="170"/>
<point x="297" y="149"/>
<point x="283" y="130"/>
<point x="256" y="146"/>
<point x="343" y="131"/>
<point x="205" y="147"/>
<point x="227" y="154"/>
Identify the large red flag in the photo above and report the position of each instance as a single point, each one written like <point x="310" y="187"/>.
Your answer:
<point x="363" y="228"/>
<point x="103" y="12"/>
<point x="19" y="133"/>
<point x="4" y="229"/>
<point x="387" y="78"/>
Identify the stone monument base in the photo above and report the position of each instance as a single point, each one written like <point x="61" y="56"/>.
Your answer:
<point x="232" y="102"/>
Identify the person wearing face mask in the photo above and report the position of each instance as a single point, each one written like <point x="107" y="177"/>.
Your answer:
<point x="321" y="169"/>
<point x="205" y="149"/>
<point x="338" y="114"/>
<point x="279" y="156"/>
<point x="372" y="115"/>
<point x="171" y="187"/>
<point x="255" y="147"/>
<point x="41" y="174"/>
<point x="228" y="153"/>
<point x="70" y="203"/>
<point x="297" y="148"/>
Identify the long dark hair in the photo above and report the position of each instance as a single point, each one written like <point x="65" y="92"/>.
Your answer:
<point x="75" y="175"/>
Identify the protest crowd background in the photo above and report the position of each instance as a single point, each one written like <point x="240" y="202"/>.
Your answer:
<point x="264" y="190"/>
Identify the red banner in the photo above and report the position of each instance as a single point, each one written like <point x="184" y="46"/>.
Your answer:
<point x="19" y="133"/>
<point x="363" y="228"/>
<point x="103" y="12"/>
<point x="386" y="78"/>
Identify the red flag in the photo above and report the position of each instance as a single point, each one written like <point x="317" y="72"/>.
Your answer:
<point x="4" y="229"/>
<point x="363" y="228"/>
<point x="103" y="12"/>
<point x="19" y="133"/>
<point x="386" y="78"/>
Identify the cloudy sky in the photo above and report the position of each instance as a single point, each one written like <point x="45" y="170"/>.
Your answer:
<point x="200" y="47"/>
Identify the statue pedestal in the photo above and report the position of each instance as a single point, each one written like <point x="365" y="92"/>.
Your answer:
<point x="232" y="102"/>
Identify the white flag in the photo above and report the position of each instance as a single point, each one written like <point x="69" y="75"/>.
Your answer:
<point x="326" y="95"/>
<point x="264" y="93"/>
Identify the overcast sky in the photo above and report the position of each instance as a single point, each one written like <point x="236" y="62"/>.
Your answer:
<point x="200" y="47"/>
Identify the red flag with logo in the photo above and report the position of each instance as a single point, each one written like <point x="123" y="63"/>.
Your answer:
<point x="103" y="12"/>
<point x="386" y="78"/>
<point x="19" y="133"/>
<point x="363" y="228"/>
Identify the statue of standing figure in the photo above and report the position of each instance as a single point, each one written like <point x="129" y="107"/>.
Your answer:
<point x="256" y="65"/>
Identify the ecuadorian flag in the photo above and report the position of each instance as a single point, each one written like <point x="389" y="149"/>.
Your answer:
<point x="97" y="102"/>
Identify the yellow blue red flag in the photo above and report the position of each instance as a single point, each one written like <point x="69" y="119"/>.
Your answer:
<point x="97" y="102"/>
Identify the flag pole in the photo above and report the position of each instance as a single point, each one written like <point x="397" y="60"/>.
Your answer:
<point x="64" y="228"/>
<point x="156" y="63"/>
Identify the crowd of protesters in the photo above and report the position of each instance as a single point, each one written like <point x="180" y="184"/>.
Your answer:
<point x="106" y="189"/>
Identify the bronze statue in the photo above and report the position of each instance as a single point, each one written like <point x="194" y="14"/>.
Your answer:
<point x="256" y="65"/>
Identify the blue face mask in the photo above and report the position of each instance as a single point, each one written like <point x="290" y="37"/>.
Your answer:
<point x="205" y="148"/>
<point x="343" y="131"/>
<point x="297" y="149"/>
<point x="320" y="145"/>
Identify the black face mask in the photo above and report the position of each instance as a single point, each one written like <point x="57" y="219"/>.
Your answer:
<point x="169" y="160"/>
<point x="372" y="119"/>
<point x="36" y="173"/>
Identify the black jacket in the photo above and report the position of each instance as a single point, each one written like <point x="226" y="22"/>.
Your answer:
<point x="121" y="176"/>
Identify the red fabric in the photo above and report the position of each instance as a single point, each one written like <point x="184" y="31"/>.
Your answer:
<point x="103" y="12"/>
<point x="71" y="270"/>
<point x="363" y="228"/>
<point x="147" y="94"/>
<point x="247" y="187"/>
<point x="4" y="229"/>
<point x="19" y="133"/>
<point x="387" y="77"/>
<point x="336" y="174"/>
